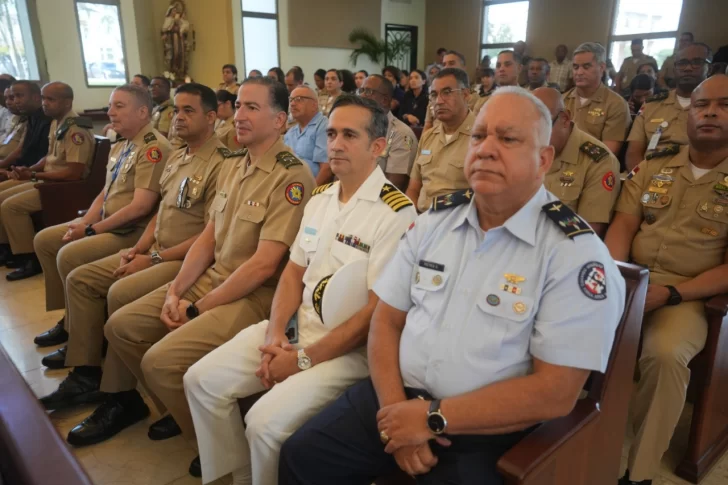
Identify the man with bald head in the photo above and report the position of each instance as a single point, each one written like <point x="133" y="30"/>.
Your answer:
<point x="70" y="153"/>
<point x="470" y="330"/>
<point x="585" y="174"/>
<point x="399" y="155"/>
<point x="307" y="138"/>
<point x="672" y="218"/>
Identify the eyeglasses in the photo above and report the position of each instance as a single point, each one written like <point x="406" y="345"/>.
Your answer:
<point x="299" y="99"/>
<point x="697" y="63"/>
<point x="445" y="94"/>
<point x="366" y="92"/>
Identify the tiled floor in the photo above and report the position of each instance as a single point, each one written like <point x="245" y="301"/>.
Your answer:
<point x="130" y="458"/>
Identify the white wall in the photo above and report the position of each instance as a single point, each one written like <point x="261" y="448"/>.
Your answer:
<point x="313" y="58"/>
<point x="63" y="49"/>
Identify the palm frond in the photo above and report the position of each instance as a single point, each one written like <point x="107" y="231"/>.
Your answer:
<point x="369" y="46"/>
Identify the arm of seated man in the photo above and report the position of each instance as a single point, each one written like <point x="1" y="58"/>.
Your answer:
<point x="142" y="204"/>
<point x="71" y="172"/>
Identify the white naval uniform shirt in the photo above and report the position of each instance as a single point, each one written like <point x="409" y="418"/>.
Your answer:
<point x="468" y="326"/>
<point x="370" y="227"/>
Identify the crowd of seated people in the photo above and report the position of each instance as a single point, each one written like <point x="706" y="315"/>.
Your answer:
<point x="315" y="242"/>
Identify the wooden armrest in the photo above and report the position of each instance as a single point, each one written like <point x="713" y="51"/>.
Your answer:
<point x="52" y="188"/>
<point x="718" y="305"/>
<point x="539" y="446"/>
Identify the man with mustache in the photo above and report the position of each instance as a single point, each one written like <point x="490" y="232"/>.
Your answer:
<point x="672" y="218"/>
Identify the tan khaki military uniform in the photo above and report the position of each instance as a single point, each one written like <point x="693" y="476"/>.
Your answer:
<point x="667" y="71"/>
<point x="227" y="134"/>
<point x="605" y="116"/>
<point x="261" y="202"/>
<point x="230" y="88"/>
<point x="439" y="164"/>
<point x="323" y="99"/>
<point x="629" y="68"/>
<point x="585" y="176"/>
<point x="70" y="141"/>
<point x="15" y="137"/>
<point x="663" y="113"/>
<point x="162" y="115"/>
<point x="683" y="233"/>
<point x="480" y="103"/>
<point x="475" y="103"/>
<point x="139" y="163"/>
<point x="188" y="186"/>
<point x="401" y="150"/>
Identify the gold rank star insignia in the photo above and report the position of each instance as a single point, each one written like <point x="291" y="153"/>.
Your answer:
<point x="568" y="173"/>
<point x="514" y="278"/>
<point x="704" y="207"/>
<point x="469" y="193"/>
<point x="386" y="188"/>
<point x="556" y="208"/>
<point x="519" y="307"/>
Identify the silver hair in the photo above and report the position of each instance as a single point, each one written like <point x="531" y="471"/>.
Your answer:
<point x="544" y="115"/>
<point x="308" y="88"/>
<point x="600" y="54"/>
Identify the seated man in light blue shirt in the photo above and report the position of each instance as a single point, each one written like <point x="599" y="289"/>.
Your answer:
<point x="495" y="308"/>
<point x="307" y="137"/>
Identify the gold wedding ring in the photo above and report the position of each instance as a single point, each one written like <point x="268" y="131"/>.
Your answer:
<point x="383" y="436"/>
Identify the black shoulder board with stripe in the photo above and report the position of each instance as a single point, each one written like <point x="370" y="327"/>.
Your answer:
<point x="593" y="151"/>
<point x="454" y="199"/>
<point x="227" y="153"/>
<point x="669" y="150"/>
<point x="288" y="160"/>
<point x="149" y="137"/>
<point x="566" y="219"/>
<point x="657" y="97"/>
<point x="83" y="122"/>
<point x="395" y="199"/>
<point x="320" y="189"/>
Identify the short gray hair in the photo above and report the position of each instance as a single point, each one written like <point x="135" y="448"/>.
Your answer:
<point x="600" y="54"/>
<point x="141" y="95"/>
<point x="379" y="123"/>
<point x="544" y="115"/>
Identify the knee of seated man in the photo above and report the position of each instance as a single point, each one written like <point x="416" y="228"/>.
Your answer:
<point x="153" y="360"/>
<point x="45" y="239"/>
<point x="665" y="351"/>
<point x="117" y="327"/>
<point x="194" y="378"/>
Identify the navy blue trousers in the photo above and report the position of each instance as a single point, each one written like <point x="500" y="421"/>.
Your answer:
<point x="341" y="446"/>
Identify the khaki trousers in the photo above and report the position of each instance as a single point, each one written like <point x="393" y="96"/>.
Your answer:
<point x="142" y="349"/>
<point x="671" y="337"/>
<point x="8" y="189"/>
<point x="15" y="214"/>
<point x="58" y="259"/>
<point x="90" y="288"/>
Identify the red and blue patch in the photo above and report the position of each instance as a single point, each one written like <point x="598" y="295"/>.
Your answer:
<point x="294" y="193"/>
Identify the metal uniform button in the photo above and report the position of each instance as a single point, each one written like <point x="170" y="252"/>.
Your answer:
<point x="673" y="227"/>
<point x="664" y="247"/>
<point x="682" y="206"/>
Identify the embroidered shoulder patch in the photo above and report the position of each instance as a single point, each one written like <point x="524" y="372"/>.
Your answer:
<point x="294" y="193"/>
<point x="395" y="199"/>
<point x="668" y="151"/>
<point x="78" y="139"/>
<point x="154" y="154"/>
<point x="454" y="199"/>
<point x="149" y="137"/>
<point x="593" y="281"/>
<point x="227" y="153"/>
<point x="593" y="151"/>
<point x="287" y="159"/>
<point x="321" y="188"/>
<point x="571" y="224"/>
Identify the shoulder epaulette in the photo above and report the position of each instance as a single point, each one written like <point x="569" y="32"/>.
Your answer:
<point x="321" y="188"/>
<point x="227" y="153"/>
<point x="288" y="160"/>
<point x="453" y="199"/>
<point x="149" y="137"/>
<point x="394" y="198"/>
<point x="118" y="139"/>
<point x="566" y="219"/>
<point x="594" y="151"/>
<point x="63" y="129"/>
<point x="657" y="97"/>
<point x="83" y="122"/>
<point x="669" y="150"/>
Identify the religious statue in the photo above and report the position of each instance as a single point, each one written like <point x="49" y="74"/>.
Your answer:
<point x="178" y="38"/>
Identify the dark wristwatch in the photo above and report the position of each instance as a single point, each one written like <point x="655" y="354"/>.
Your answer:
<point x="675" y="296"/>
<point x="435" y="420"/>
<point x="90" y="231"/>
<point x="192" y="312"/>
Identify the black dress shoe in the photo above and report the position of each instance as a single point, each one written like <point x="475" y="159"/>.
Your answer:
<point x="626" y="481"/>
<point x="75" y="389"/>
<point x="14" y="263"/>
<point x="55" y="336"/>
<point x="196" y="468"/>
<point x="5" y="254"/>
<point x="164" y="429"/>
<point x="109" y="419"/>
<point x="56" y="359"/>
<point x="30" y="268"/>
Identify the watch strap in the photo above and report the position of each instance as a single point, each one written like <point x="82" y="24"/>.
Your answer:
<point x="434" y="406"/>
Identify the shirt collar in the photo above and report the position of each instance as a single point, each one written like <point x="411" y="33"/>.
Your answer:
<point x="370" y="190"/>
<point x="522" y="224"/>
<point x="138" y="139"/>
<point x="207" y="149"/>
<point x="570" y="153"/>
<point x="313" y="123"/>
<point x="268" y="161"/>
<point x="465" y="128"/>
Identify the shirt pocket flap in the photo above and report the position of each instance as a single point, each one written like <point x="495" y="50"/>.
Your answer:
<point x="252" y="214"/>
<point x="512" y="307"/>
<point x="218" y="205"/>
<point x="713" y="212"/>
<point x="128" y="163"/>
<point x="429" y="279"/>
<point x="424" y="159"/>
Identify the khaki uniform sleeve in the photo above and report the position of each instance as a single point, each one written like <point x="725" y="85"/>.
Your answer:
<point x="150" y="163"/>
<point x="211" y="189"/>
<point x="79" y="146"/>
<point x="597" y="198"/>
<point x="416" y="174"/>
<point x="400" y="154"/>
<point x="629" y="199"/>
<point x="165" y="120"/>
<point x="617" y="122"/>
<point x="283" y="219"/>
<point x="637" y="133"/>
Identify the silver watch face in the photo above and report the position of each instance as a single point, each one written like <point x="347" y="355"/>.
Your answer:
<point x="304" y="363"/>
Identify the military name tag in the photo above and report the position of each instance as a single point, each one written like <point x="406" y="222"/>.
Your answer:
<point x="658" y="190"/>
<point x="431" y="265"/>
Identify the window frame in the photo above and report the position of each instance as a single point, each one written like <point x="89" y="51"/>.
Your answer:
<point x="117" y="4"/>
<point x="501" y="45"/>
<point x="612" y="38"/>
<point x="261" y="15"/>
<point x="36" y="38"/>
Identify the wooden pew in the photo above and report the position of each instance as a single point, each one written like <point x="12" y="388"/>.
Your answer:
<point x="31" y="450"/>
